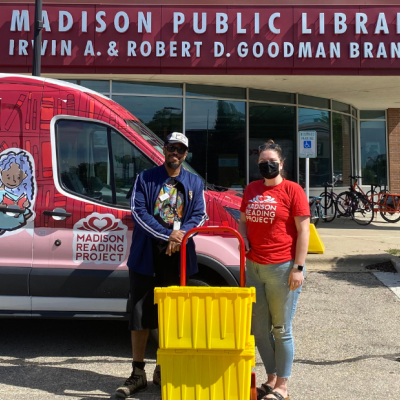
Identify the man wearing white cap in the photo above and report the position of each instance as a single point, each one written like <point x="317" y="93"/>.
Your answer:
<point x="167" y="201"/>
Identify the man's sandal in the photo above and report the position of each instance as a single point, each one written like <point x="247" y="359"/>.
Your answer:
<point x="277" y="396"/>
<point x="263" y="391"/>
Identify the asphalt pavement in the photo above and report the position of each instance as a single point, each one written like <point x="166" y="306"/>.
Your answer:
<point x="346" y="332"/>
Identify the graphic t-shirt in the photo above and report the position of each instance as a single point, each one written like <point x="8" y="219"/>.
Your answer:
<point x="169" y="203"/>
<point x="169" y="207"/>
<point x="270" y="212"/>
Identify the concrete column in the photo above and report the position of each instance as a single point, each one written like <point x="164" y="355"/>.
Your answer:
<point x="393" y="123"/>
<point x="346" y="124"/>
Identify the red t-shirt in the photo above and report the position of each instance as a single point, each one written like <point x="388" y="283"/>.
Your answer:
<point x="270" y="212"/>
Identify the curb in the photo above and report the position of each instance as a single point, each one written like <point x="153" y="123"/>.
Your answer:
<point x="396" y="263"/>
<point x="357" y="263"/>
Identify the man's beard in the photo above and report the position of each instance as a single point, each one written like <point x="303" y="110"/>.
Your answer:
<point x="173" y="165"/>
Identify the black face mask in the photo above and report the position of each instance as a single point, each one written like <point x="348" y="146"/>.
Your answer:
<point x="269" y="169"/>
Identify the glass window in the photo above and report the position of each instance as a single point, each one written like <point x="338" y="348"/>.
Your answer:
<point x="170" y="89"/>
<point x="373" y="152"/>
<point x="84" y="162"/>
<point x="355" y="147"/>
<point x="276" y="97"/>
<point x="279" y="124"/>
<point x="341" y="149"/>
<point x="128" y="163"/>
<point x="342" y="107"/>
<point x="312" y="101"/>
<point x="215" y="91"/>
<point x="162" y="115"/>
<point x="371" y="114"/>
<point x="354" y="112"/>
<point x="97" y="86"/>
<point x="320" y="167"/>
<point x="217" y="140"/>
<point x="83" y="159"/>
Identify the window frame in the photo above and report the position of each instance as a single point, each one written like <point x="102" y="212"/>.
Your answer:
<point x="354" y="112"/>
<point x="55" y="159"/>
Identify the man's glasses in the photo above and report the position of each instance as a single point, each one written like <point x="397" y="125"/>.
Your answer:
<point x="267" y="146"/>
<point x="180" y="150"/>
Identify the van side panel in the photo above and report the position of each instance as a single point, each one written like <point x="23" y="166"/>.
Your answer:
<point x="84" y="255"/>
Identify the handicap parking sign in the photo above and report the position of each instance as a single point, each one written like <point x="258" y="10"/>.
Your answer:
<point x="308" y="144"/>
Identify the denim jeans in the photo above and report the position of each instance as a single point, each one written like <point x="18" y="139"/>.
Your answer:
<point x="273" y="315"/>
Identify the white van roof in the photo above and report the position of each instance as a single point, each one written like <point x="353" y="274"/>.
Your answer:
<point x="54" y="82"/>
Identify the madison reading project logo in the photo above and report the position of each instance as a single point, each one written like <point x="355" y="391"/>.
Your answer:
<point x="261" y="209"/>
<point x="99" y="238"/>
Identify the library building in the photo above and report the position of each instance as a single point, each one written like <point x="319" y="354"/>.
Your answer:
<point x="232" y="74"/>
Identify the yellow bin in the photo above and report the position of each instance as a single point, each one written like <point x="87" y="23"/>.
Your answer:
<point x="204" y="318"/>
<point x="206" y="374"/>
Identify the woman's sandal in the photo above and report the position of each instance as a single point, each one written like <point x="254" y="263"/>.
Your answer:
<point x="276" y="395"/>
<point x="263" y="391"/>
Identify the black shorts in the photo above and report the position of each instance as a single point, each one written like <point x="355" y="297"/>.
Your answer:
<point x="144" y="313"/>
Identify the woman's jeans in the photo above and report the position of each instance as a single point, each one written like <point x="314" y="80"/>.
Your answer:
<point x="273" y="315"/>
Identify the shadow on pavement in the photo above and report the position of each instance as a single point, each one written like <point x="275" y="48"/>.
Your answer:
<point x="30" y="352"/>
<point x="60" y="381"/>
<point x="354" y="278"/>
<point x="64" y="338"/>
<point x="68" y="382"/>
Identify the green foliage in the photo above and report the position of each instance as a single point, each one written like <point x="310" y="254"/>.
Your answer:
<point x="393" y="252"/>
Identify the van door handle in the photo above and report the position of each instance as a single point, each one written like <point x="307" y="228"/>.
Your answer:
<point x="11" y="210"/>
<point x="57" y="214"/>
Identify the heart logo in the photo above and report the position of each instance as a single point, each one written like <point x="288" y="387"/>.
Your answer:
<point x="100" y="225"/>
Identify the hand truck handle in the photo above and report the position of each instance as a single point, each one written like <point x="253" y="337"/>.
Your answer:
<point x="213" y="229"/>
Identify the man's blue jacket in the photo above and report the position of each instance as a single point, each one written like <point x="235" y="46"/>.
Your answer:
<point x="145" y="192"/>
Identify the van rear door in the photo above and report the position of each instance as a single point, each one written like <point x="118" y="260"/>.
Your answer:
<point x="19" y="177"/>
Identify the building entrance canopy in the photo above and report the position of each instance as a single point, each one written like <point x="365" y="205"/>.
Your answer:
<point x="349" y="40"/>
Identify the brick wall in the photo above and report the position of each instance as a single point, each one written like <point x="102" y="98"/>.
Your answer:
<point x="393" y="121"/>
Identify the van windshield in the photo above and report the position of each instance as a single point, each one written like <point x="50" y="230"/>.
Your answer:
<point x="154" y="140"/>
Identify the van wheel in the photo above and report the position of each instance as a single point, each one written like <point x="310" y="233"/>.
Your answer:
<point x="190" y="282"/>
<point x="196" y="282"/>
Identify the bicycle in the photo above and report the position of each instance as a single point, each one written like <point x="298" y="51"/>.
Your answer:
<point x="370" y="195"/>
<point x="355" y="204"/>
<point x="374" y="192"/>
<point x="388" y="204"/>
<point x="315" y="209"/>
<point x="329" y="202"/>
<point x="389" y="207"/>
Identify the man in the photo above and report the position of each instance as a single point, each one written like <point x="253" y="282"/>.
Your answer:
<point x="166" y="202"/>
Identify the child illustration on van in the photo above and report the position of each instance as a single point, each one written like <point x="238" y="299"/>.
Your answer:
<point x="17" y="188"/>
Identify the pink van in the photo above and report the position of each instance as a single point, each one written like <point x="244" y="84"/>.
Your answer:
<point x="68" y="160"/>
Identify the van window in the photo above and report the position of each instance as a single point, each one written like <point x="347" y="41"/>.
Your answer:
<point x="128" y="163"/>
<point x="97" y="162"/>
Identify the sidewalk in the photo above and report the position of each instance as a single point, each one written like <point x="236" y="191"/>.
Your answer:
<point x="350" y="247"/>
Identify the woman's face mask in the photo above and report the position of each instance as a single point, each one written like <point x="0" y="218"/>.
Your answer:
<point x="269" y="169"/>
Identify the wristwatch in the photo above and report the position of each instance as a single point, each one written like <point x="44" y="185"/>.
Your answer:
<point x="299" y="267"/>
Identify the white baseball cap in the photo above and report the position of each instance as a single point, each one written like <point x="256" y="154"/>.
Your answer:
<point x="176" y="137"/>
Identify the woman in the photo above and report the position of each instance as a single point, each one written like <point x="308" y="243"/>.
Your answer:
<point x="274" y="222"/>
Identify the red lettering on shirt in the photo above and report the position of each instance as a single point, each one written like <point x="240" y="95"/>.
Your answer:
<point x="270" y="212"/>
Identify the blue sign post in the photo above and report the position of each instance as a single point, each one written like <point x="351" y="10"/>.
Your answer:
<point x="307" y="150"/>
